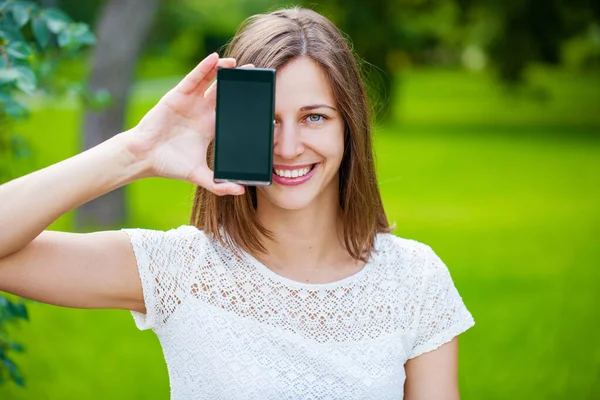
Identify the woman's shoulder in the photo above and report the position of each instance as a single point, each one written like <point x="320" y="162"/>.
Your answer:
<point x="395" y="246"/>
<point x="425" y="287"/>
<point x="182" y="231"/>
<point x="407" y="256"/>
<point x="183" y="238"/>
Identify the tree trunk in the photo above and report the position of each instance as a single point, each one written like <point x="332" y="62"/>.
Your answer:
<point x="121" y="30"/>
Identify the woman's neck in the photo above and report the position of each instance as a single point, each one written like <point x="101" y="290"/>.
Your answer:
<point x="304" y="240"/>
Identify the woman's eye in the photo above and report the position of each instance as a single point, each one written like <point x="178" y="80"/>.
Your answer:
<point x="315" y="118"/>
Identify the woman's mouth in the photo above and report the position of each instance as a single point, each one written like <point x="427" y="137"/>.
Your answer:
<point x="291" y="176"/>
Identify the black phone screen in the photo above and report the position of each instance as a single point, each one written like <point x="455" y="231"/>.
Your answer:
<point x="244" y="125"/>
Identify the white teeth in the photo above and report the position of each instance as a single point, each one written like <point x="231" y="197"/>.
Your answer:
<point x="292" y="173"/>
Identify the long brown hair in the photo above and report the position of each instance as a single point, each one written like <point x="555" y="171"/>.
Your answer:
<point x="271" y="41"/>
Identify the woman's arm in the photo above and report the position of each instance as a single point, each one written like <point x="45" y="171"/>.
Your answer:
<point x="31" y="203"/>
<point x="433" y="375"/>
<point x="76" y="270"/>
<point x="99" y="270"/>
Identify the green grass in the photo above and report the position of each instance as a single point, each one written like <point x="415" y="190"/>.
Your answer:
<point x="507" y="192"/>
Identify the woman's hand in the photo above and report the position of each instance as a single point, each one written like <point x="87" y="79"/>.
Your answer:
<point x="76" y="270"/>
<point x="173" y="137"/>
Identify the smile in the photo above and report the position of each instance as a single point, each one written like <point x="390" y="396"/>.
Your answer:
<point x="293" y="176"/>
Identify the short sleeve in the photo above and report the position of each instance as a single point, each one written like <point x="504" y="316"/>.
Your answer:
<point x="164" y="262"/>
<point x="442" y="314"/>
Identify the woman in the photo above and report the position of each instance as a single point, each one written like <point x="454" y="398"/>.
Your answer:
<point x="288" y="291"/>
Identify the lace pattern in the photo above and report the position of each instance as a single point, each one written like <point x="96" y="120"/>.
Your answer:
<point x="232" y="328"/>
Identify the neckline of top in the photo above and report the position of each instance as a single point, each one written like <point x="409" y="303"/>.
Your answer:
<point x="326" y="285"/>
<point x="262" y="268"/>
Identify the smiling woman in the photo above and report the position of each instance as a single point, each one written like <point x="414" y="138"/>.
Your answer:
<point x="303" y="89"/>
<point x="316" y="74"/>
<point x="294" y="290"/>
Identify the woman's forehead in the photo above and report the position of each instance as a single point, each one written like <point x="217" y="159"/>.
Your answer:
<point x="300" y="83"/>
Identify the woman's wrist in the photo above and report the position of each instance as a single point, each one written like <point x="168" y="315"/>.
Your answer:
<point x="133" y="159"/>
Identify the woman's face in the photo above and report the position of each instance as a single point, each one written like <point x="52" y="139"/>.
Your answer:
<point x="308" y="139"/>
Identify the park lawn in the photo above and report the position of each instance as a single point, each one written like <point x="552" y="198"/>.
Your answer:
<point x="506" y="191"/>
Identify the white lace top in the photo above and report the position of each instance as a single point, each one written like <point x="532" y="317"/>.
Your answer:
<point x="230" y="328"/>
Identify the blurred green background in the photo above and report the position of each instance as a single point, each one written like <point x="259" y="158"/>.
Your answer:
<point x="499" y="173"/>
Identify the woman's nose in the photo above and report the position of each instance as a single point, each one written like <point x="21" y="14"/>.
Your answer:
<point x="287" y="140"/>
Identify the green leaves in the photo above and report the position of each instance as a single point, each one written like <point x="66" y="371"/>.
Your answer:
<point x="20" y="50"/>
<point x="18" y="310"/>
<point x="13" y="370"/>
<point x="19" y="348"/>
<point x="32" y="42"/>
<point x="69" y="34"/>
<point x="56" y="20"/>
<point x="93" y="100"/>
<point x="19" y="57"/>
<point x="48" y="26"/>
<point x="76" y="35"/>
<point x="21" y="13"/>
<point x="41" y="32"/>
<point x="10" y="311"/>
<point x="21" y="76"/>
<point x="8" y="75"/>
<point x="26" y="81"/>
<point x="14" y="110"/>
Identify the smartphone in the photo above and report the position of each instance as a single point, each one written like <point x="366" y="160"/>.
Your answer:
<point x="244" y="126"/>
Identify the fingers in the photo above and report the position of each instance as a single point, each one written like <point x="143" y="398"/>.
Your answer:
<point x="222" y="189"/>
<point x="205" y="177"/>
<point x="198" y="74"/>
<point x="227" y="63"/>
<point x="199" y="78"/>
<point x="211" y="93"/>
<point x="223" y="63"/>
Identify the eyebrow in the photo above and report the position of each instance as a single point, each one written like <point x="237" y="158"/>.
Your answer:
<point x="315" y="106"/>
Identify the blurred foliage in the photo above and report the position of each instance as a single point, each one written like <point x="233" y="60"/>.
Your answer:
<point x="508" y="36"/>
<point x="391" y="35"/>
<point x="520" y="32"/>
<point x="32" y="41"/>
<point x="10" y="312"/>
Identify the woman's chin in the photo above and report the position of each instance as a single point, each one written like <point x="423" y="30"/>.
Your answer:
<point x="292" y="201"/>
